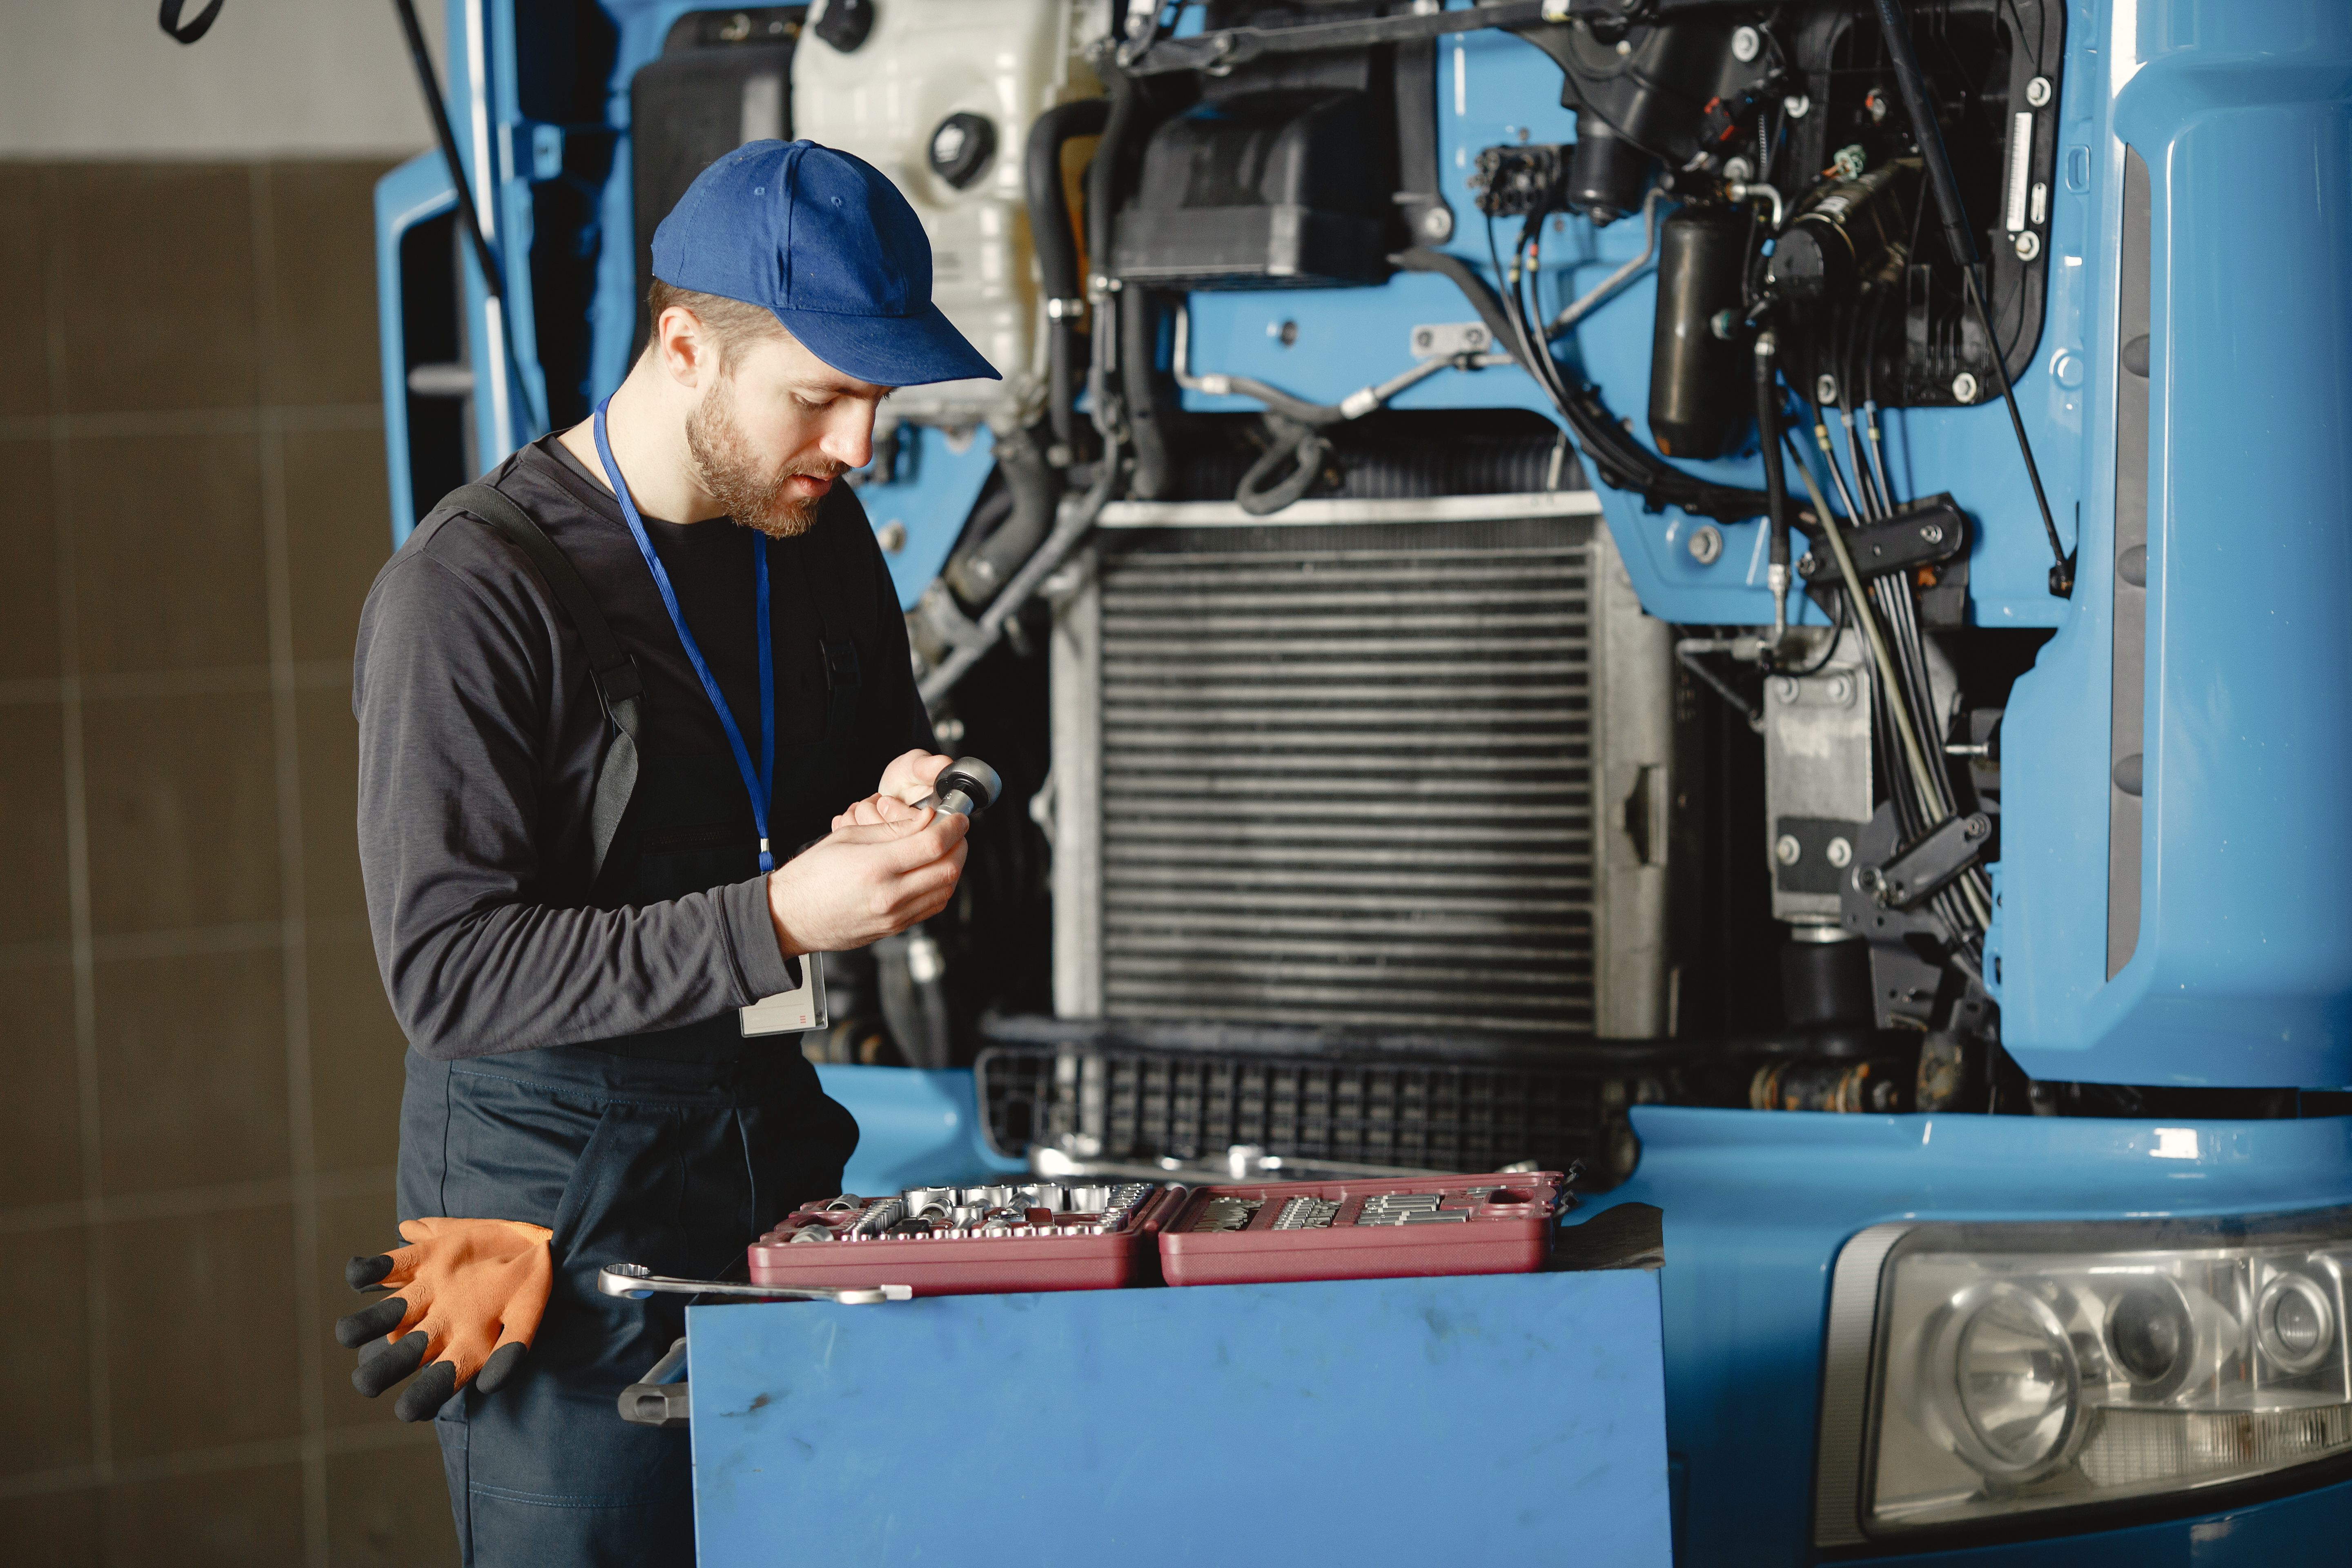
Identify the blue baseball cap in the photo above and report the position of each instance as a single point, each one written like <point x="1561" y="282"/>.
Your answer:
<point x="826" y="242"/>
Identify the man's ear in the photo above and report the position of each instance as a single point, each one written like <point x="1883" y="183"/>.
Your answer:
<point x="685" y="346"/>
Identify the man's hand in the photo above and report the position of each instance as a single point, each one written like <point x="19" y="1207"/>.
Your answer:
<point x="910" y="777"/>
<point x="466" y="1299"/>
<point x="868" y="880"/>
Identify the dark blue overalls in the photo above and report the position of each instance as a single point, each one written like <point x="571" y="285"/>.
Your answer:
<point x="672" y="1151"/>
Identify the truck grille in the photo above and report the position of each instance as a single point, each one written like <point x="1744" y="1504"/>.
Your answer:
<point x="1349" y="786"/>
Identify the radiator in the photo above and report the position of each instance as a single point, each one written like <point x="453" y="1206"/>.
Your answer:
<point x="1392" y="766"/>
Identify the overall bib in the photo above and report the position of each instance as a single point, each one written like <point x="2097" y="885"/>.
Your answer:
<point x="672" y="1151"/>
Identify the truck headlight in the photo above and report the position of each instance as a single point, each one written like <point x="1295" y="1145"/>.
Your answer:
<point x="1974" y="1371"/>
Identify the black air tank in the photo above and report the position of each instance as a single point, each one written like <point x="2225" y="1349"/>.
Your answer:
<point x="1699" y="392"/>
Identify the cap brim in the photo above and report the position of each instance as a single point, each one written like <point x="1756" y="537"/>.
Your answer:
<point x="890" y="351"/>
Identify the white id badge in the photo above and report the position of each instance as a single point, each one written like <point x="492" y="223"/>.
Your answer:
<point x="790" y="1012"/>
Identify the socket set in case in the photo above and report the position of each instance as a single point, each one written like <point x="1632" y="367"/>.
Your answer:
<point x="1358" y="1229"/>
<point x="967" y="1241"/>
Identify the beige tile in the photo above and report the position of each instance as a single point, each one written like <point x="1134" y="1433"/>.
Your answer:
<point x="329" y="755"/>
<point x="29" y="550"/>
<point x="231" y="1518"/>
<point x="54" y="1529"/>
<point x="33" y="906"/>
<point x="350" y="1227"/>
<point x="199" y="1337"/>
<point x="190" y="1070"/>
<point x="158" y="285"/>
<point x="390" y="1508"/>
<point x="183" y="800"/>
<point x="168" y="564"/>
<point x="338" y="534"/>
<point x="322" y="256"/>
<point x="40" y="1132"/>
<point x="45" y="1353"/>
<point x="356" y="1052"/>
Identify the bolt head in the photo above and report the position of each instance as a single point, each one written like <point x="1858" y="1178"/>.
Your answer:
<point x="1797" y="105"/>
<point x="2038" y="92"/>
<point x="1784" y="688"/>
<point x="1933" y="532"/>
<point x="1839" y="852"/>
<point x="1964" y="387"/>
<point x="1747" y="43"/>
<point x="1825" y="388"/>
<point x="1705" y="544"/>
<point x="2028" y="246"/>
<point x="1786" y="850"/>
<point x="1437" y="222"/>
<point x="1840" y="689"/>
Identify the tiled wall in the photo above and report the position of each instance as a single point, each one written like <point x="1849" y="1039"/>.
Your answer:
<point x="198" y="1118"/>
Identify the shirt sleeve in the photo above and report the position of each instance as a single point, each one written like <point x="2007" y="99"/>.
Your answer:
<point x="455" y="685"/>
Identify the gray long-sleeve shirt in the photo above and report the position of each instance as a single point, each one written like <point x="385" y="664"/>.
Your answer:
<point x="480" y="734"/>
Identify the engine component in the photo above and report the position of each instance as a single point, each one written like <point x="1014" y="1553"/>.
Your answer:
<point x="1925" y="533"/>
<point x="931" y="99"/>
<point x="1698" y="386"/>
<point x="1825" y="976"/>
<point x="1845" y="233"/>
<point x="1640" y="93"/>
<point x="1275" y="188"/>
<point x="962" y="147"/>
<point x="1512" y="181"/>
<point x="1917" y="871"/>
<point x="709" y="93"/>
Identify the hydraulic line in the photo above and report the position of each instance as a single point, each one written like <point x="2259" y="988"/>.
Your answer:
<point x="1776" y="484"/>
<point x="1880" y="655"/>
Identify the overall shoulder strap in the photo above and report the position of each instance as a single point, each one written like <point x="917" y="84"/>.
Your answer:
<point x="619" y="687"/>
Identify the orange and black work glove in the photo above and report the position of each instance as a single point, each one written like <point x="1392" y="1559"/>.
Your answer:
<point x="468" y="1296"/>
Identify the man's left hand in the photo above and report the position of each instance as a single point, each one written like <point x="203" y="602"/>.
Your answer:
<point x="908" y="779"/>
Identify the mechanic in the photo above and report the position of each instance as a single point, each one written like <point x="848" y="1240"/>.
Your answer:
<point x="580" y="1089"/>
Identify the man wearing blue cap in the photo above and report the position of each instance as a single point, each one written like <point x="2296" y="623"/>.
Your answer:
<point x="602" y="704"/>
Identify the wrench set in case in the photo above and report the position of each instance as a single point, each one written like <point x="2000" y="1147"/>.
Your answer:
<point x="967" y="1241"/>
<point x="1075" y="1235"/>
<point x="1360" y="1229"/>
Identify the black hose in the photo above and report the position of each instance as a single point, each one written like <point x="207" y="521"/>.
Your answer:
<point x="1149" y="408"/>
<point x="1768" y="433"/>
<point x="1058" y="250"/>
<point x="1617" y="458"/>
<point x="978" y="570"/>
<point x="1126" y="99"/>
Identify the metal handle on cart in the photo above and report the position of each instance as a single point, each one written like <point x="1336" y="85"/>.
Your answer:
<point x="652" y="1400"/>
<point x="636" y="1282"/>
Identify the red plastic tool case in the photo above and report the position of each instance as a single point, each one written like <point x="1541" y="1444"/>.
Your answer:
<point x="1506" y="1228"/>
<point x="945" y="1264"/>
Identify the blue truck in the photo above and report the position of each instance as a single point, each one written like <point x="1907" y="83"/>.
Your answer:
<point x="1758" y="597"/>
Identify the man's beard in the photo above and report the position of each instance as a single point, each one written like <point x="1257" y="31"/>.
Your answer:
<point x="731" y="472"/>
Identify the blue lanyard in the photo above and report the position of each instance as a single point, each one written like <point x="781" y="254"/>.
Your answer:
<point x="759" y="785"/>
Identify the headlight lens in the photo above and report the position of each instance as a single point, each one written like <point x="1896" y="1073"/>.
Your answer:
<point x="2027" y="1367"/>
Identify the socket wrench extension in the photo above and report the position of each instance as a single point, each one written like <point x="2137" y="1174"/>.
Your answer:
<point x="966" y="786"/>
<point x="636" y="1282"/>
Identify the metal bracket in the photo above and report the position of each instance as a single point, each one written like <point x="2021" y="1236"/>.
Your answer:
<point x="1920" y="871"/>
<point x="1927" y="533"/>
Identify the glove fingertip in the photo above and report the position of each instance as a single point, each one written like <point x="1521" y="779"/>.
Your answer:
<point x="500" y="1366"/>
<point x="383" y="1364"/>
<point x="354" y="1330"/>
<point x="366" y="1270"/>
<point x="423" y="1399"/>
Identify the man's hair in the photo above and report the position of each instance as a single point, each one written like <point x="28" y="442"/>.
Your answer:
<point x="736" y="325"/>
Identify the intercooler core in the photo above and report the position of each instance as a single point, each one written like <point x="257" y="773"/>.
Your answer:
<point x="1392" y="767"/>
